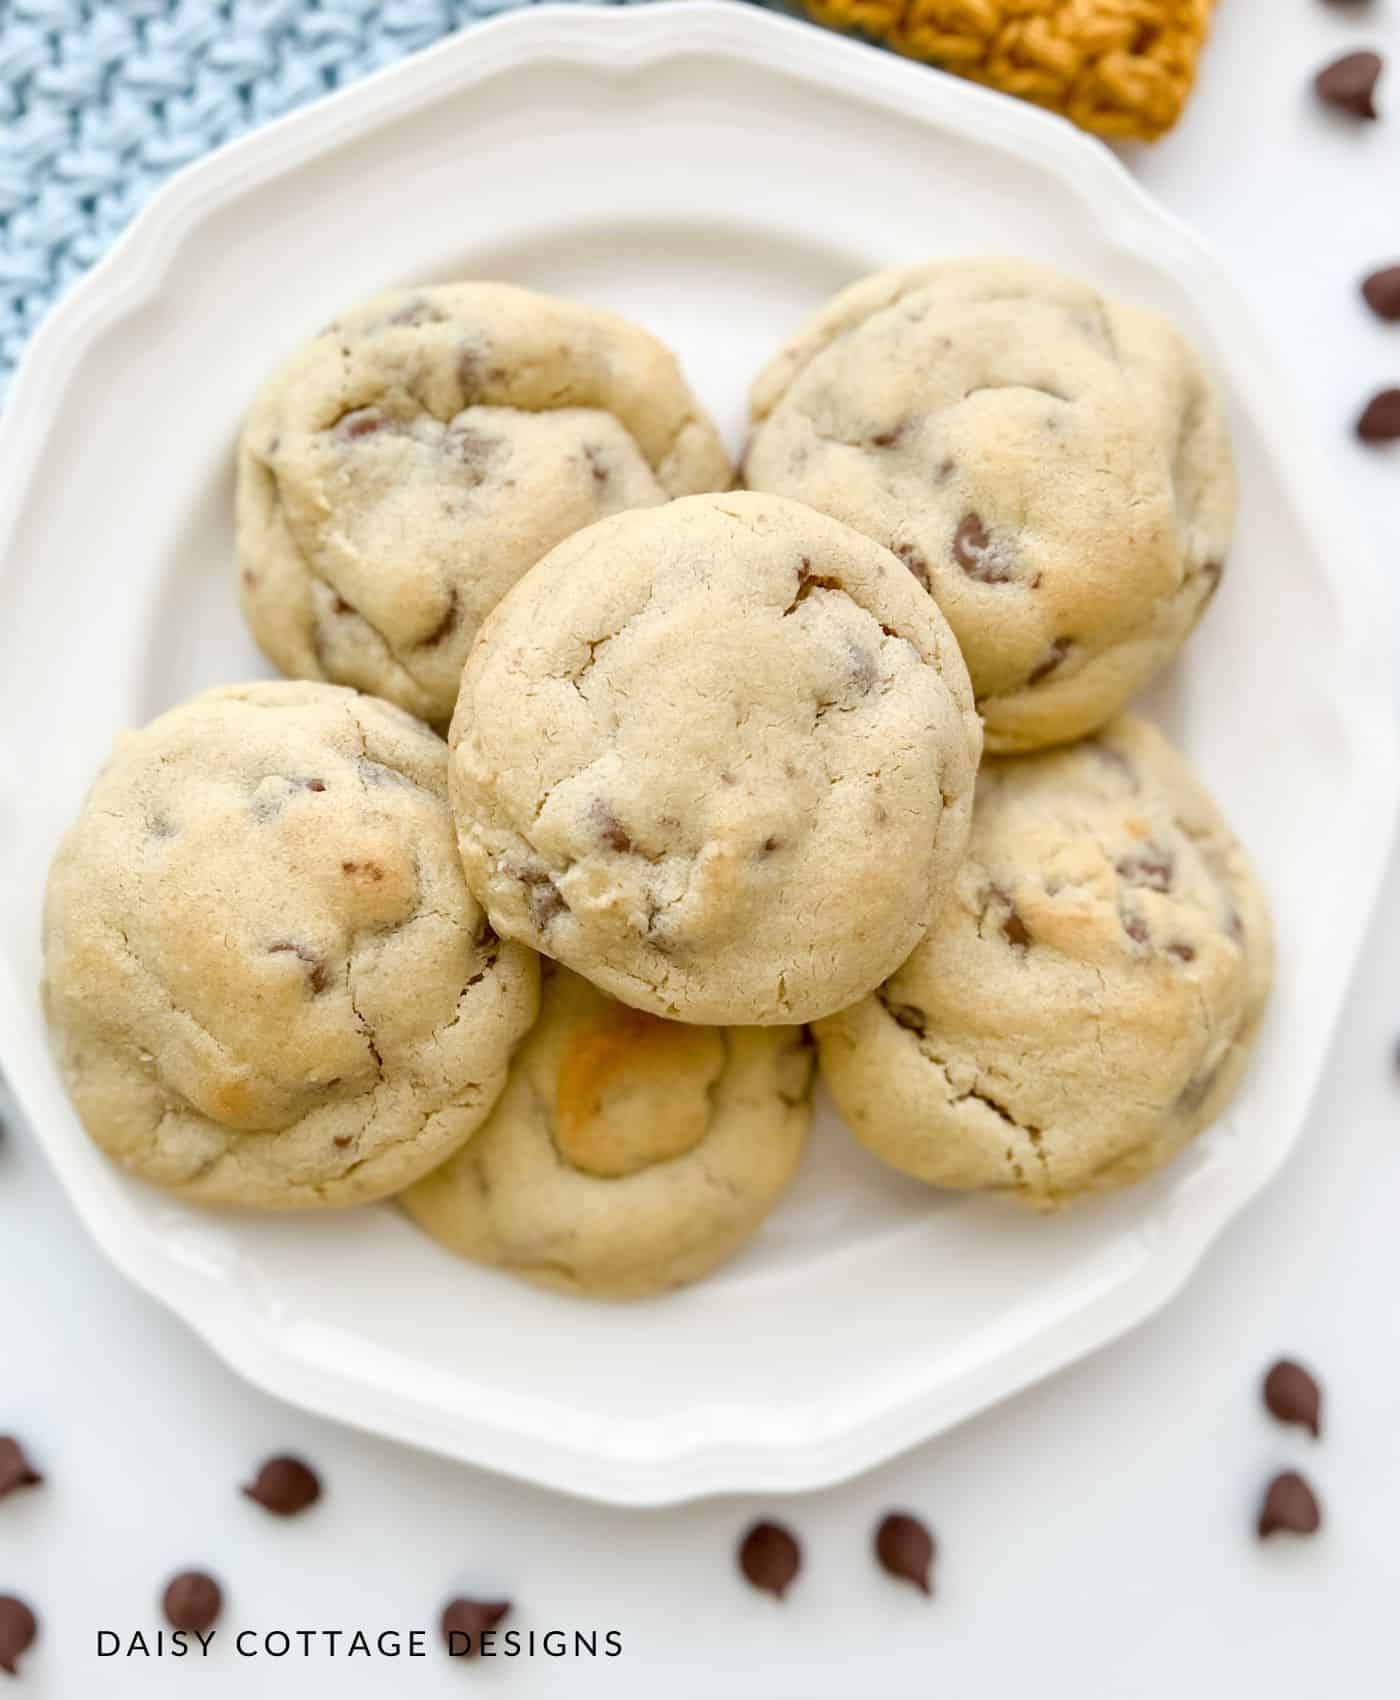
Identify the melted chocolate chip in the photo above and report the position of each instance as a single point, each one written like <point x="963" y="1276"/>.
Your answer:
<point x="470" y="371"/>
<point x="611" y="832"/>
<point x="807" y="582"/>
<point x="18" y="1627"/>
<point x="905" y="1548"/>
<point x="1349" y="83"/>
<point x="1380" y="419"/>
<point x="1151" y="866"/>
<point x="1136" y="928"/>
<point x="342" y="1140"/>
<point x="340" y="606"/>
<point x="465" y="1621"/>
<point x="1292" y="1396"/>
<point x="315" y="785"/>
<point x="864" y="672"/>
<point x="363" y="422"/>
<point x="976" y="554"/>
<point x="907" y="1015"/>
<point x="1381" y="293"/>
<point x="417" y="313"/>
<point x="192" y="1601"/>
<point x="1053" y="659"/>
<point x="451" y="619"/>
<point x="770" y="844"/>
<point x="15" y="1469"/>
<point x="1290" y="1507"/>
<point x="914" y="561"/>
<point x="890" y="438"/>
<point x="594" y="456"/>
<point x="317" y="973"/>
<point x="285" y="1486"/>
<point x="1182" y="951"/>
<point x="545" y="900"/>
<point x="770" y="1558"/>
<point x="1016" y="932"/>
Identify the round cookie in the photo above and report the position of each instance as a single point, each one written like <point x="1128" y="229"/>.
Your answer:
<point x="718" y="758"/>
<point x="1053" y="466"/>
<point x="627" y="1155"/>
<point x="1086" y="1003"/>
<point x="404" y="468"/>
<point x="265" y="979"/>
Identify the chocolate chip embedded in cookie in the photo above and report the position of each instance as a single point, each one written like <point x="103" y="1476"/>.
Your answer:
<point x="628" y="1155"/>
<point x="1086" y="1003"/>
<point x="719" y="758"/>
<point x="1052" y="466"/>
<point x="399" y="473"/>
<point x="265" y="979"/>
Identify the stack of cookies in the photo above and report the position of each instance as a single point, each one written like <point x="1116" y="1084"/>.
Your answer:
<point x="711" y="800"/>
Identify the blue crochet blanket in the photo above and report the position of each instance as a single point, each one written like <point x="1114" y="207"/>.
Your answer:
<point x="100" y="100"/>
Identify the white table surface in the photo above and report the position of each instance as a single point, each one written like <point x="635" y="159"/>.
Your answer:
<point x="1095" y="1533"/>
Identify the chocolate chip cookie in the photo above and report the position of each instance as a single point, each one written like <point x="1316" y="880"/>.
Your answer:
<point x="1086" y="1003"/>
<point x="718" y="758"/>
<point x="1052" y="466"/>
<point x="265" y="979"/>
<point x="401" y="471"/>
<point x="627" y="1155"/>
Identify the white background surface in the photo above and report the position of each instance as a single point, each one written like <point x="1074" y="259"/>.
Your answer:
<point x="1095" y="1533"/>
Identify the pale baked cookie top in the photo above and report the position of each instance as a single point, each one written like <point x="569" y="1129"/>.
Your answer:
<point x="628" y="1154"/>
<point x="718" y="757"/>
<point x="1052" y="465"/>
<point x="266" y="981"/>
<point x="1086" y="1003"/>
<point x="404" y="468"/>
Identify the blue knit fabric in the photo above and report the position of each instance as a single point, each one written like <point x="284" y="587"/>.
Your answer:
<point x="100" y="100"/>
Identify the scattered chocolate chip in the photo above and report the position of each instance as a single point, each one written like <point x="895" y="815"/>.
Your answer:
<point x="340" y="606"/>
<point x="1136" y="928"/>
<point x="1054" y="657"/>
<point x="611" y="832"/>
<point x="15" y="1469"/>
<point x="770" y="844"/>
<point x="363" y="422"/>
<point x="1182" y="951"/>
<point x="914" y="561"/>
<point x="192" y="1601"/>
<point x="890" y="438"/>
<point x="285" y="1486"/>
<point x="1381" y="291"/>
<point x="976" y="554"/>
<point x="1293" y="1396"/>
<point x="1151" y="866"/>
<point x="1290" y="1507"/>
<point x="467" y="1620"/>
<point x="905" y="1548"/>
<point x="342" y="1140"/>
<point x="1380" y="420"/>
<point x="545" y="900"/>
<point x="315" y="785"/>
<point x="770" y="1558"/>
<point x="1350" y="82"/>
<point x="943" y="471"/>
<point x="807" y="582"/>
<point x="1016" y="932"/>
<point x="18" y="1627"/>
<point x="371" y="870"/>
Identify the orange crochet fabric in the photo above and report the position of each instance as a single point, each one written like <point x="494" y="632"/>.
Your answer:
<point x="1122" y="68"/>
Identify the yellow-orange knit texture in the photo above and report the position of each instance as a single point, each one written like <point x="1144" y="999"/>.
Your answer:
<point x="1122" y="68"/>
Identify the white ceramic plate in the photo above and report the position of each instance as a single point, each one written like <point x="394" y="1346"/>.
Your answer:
<point x="715" y="172"/>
